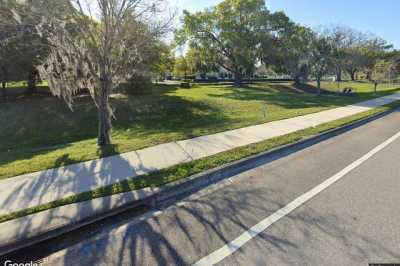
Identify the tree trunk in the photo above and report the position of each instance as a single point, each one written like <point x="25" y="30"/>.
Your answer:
<point x="4" y="90"/>
<point x="352" y="72"/>
<point x="338" y="74"/>
<point x="319" y="85"/>
<point x="353" y="75"/>
<point x="369" y="75"/>
<point x="4" y="75"/>
<point x="32" y="80"/>
<point x="238" y="79"/>
<point x="104" y="112"/>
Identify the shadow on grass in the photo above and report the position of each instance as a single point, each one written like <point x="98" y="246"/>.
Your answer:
<point x="47" y="125"/>
<point x="20" y="94"/>
<point x="308" y="88"/>
<point x="287" y="100"/>
<point x="41" y="126"/>
<point x="107" y="150"/>
<point x="299" y="96"/>
<point x="287" y="88"/>
<point x="186" y="233"/>
<point x="64" y="160"/>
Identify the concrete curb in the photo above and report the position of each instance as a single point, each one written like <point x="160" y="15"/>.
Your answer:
<point x="32" y="229"/>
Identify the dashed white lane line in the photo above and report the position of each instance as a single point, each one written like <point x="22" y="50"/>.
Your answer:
<point x="237" y="243"/>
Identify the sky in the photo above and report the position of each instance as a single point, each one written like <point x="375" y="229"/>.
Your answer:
<point x="373" y="16"/>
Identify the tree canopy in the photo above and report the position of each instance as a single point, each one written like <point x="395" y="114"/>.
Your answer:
<point x="97" y="45"/>
<point x="230" y="34"/>
<point x="83" y="44"/>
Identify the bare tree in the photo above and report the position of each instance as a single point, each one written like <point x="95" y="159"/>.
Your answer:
<point x="95" y="45"/>
<point x="340" y="38"/>
<point x="347" y="44"/>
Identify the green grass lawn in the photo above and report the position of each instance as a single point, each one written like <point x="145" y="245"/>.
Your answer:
<point x="357" y="86"/>
<point x="40" y="133"/>
<point x="178" y="172"/>
<point x="17" y="90"/>
<point x="23" y="84"/>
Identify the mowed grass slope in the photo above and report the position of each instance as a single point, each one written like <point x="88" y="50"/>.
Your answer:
<point x="41" y="133"/>
<point x="360" y="87"/>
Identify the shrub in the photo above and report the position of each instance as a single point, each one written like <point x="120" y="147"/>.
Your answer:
<point x="137" y="85"/>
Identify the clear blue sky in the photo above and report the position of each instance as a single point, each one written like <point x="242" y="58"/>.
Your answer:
<point x="380" y="17"/>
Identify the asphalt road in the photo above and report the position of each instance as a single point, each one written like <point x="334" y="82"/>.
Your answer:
<point x="354" y="221"/>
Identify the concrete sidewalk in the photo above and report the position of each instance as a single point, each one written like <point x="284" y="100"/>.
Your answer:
<point x="38" y="188"/>
<point x="352" y="222"/>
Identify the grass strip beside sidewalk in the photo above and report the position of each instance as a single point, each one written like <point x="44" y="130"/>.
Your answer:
<point x="160" y="178"/>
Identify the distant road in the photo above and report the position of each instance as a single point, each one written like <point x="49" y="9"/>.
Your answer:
<point x="354" y="221"/>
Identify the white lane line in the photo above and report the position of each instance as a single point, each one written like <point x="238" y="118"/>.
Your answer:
<point x="234" y="245"/>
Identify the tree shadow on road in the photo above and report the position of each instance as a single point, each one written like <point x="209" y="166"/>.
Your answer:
<point x="185" y="233"/>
